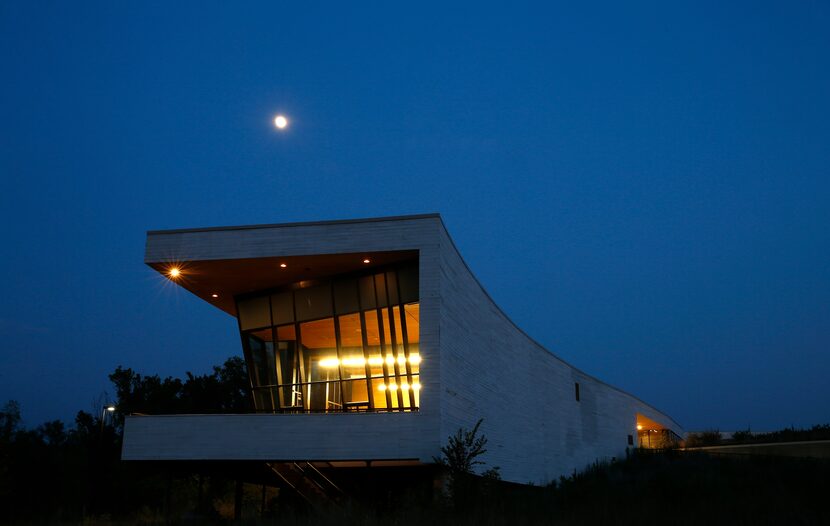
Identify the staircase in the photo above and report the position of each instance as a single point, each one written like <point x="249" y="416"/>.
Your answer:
<point x="308" y="482"/>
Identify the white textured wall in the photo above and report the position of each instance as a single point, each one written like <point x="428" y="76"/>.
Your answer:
<point x="490" y="369"/>
<point x="340" y="436"/>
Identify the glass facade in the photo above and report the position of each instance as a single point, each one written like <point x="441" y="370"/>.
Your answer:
<point x="347" y="344"/>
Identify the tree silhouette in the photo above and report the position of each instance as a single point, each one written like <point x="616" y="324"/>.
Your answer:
<point x="461" y="453"/>
<point x="225" y="390"/>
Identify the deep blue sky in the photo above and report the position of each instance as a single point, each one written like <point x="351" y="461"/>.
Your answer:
<point x="642" y="188"/>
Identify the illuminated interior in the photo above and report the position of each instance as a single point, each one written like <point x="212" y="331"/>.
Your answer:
<point x="652" y="435"/>
<point x="350" y="343"/>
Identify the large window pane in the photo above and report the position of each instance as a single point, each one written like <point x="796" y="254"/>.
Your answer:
<point x="353" y="363"/>
<point x="350" y="344"/>
<point x="401" y="357"/>
<point x="416" y="389"/>
<point x="393" y="365"/>
<point x="346" y="296"/>
<point x="377" y="365"/>
<point x="408" y="283"/>
<point x="367" y="292"/>
<point x="254" y="313"/>
<point x="392" y="288"/>
<point x="380" y="290"/>
<point x="413" y="327"/>
<point x="319" y="348"/>
<point x="356" y="395"/>
<point x="381" y="394"/>
<point x="288" y="370"/>
<point x="282" y="308"/>
<point x="263" y="368"/>
<point x="312" y="303"/>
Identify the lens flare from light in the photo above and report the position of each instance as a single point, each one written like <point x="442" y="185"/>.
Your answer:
<point x="354" y="362"/>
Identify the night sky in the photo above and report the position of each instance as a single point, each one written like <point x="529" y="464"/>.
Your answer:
<point x="644" y="189"/>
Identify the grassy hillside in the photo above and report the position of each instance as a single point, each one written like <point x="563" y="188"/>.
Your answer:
<point x="664" y="488"/>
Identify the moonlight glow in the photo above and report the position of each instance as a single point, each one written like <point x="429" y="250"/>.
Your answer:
<point x="280" y="122"/>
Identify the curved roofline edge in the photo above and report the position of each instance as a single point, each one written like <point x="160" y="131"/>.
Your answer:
<point x="533" y="340"/>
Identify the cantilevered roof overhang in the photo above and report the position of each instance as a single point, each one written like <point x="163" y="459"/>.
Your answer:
<point x="207" y="267"/>
<point x="227" y="278"/>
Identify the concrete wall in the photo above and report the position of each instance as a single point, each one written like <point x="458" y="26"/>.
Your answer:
<point x="339" y="436"/>
<point x="490" y="369"/>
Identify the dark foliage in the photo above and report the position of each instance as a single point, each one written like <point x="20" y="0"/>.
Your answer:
<point x="63" y="474"/>
<point x="741" y="437"/>
<point x="713" y="438"/>
<point x="46" y="472"/>
<point x="694" y="488"/>
<point x="664" y="487"/>
<point x="459" y="458"/>
<point x="55" y="473"/>
<point x="463" y="448"/>
<point x="704" y="438"/>
<point x="819" y="432"/>
<point x="226" y="390"/>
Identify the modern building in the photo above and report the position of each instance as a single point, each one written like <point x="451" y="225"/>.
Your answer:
<point x="368" y="343"/>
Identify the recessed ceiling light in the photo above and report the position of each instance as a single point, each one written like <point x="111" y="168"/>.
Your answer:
<point x="367" y="260"/>
<point x="214" y="295"/>
<point x="283" y="265"/>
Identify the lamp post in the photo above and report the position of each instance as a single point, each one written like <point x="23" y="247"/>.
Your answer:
<point x="104" y="410"/>
<point x="96" y="461"/>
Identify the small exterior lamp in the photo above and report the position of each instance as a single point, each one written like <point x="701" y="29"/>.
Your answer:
<point x="104" y="410"/>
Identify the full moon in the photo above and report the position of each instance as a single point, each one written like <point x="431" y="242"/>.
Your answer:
<point x="280" y="122"/>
